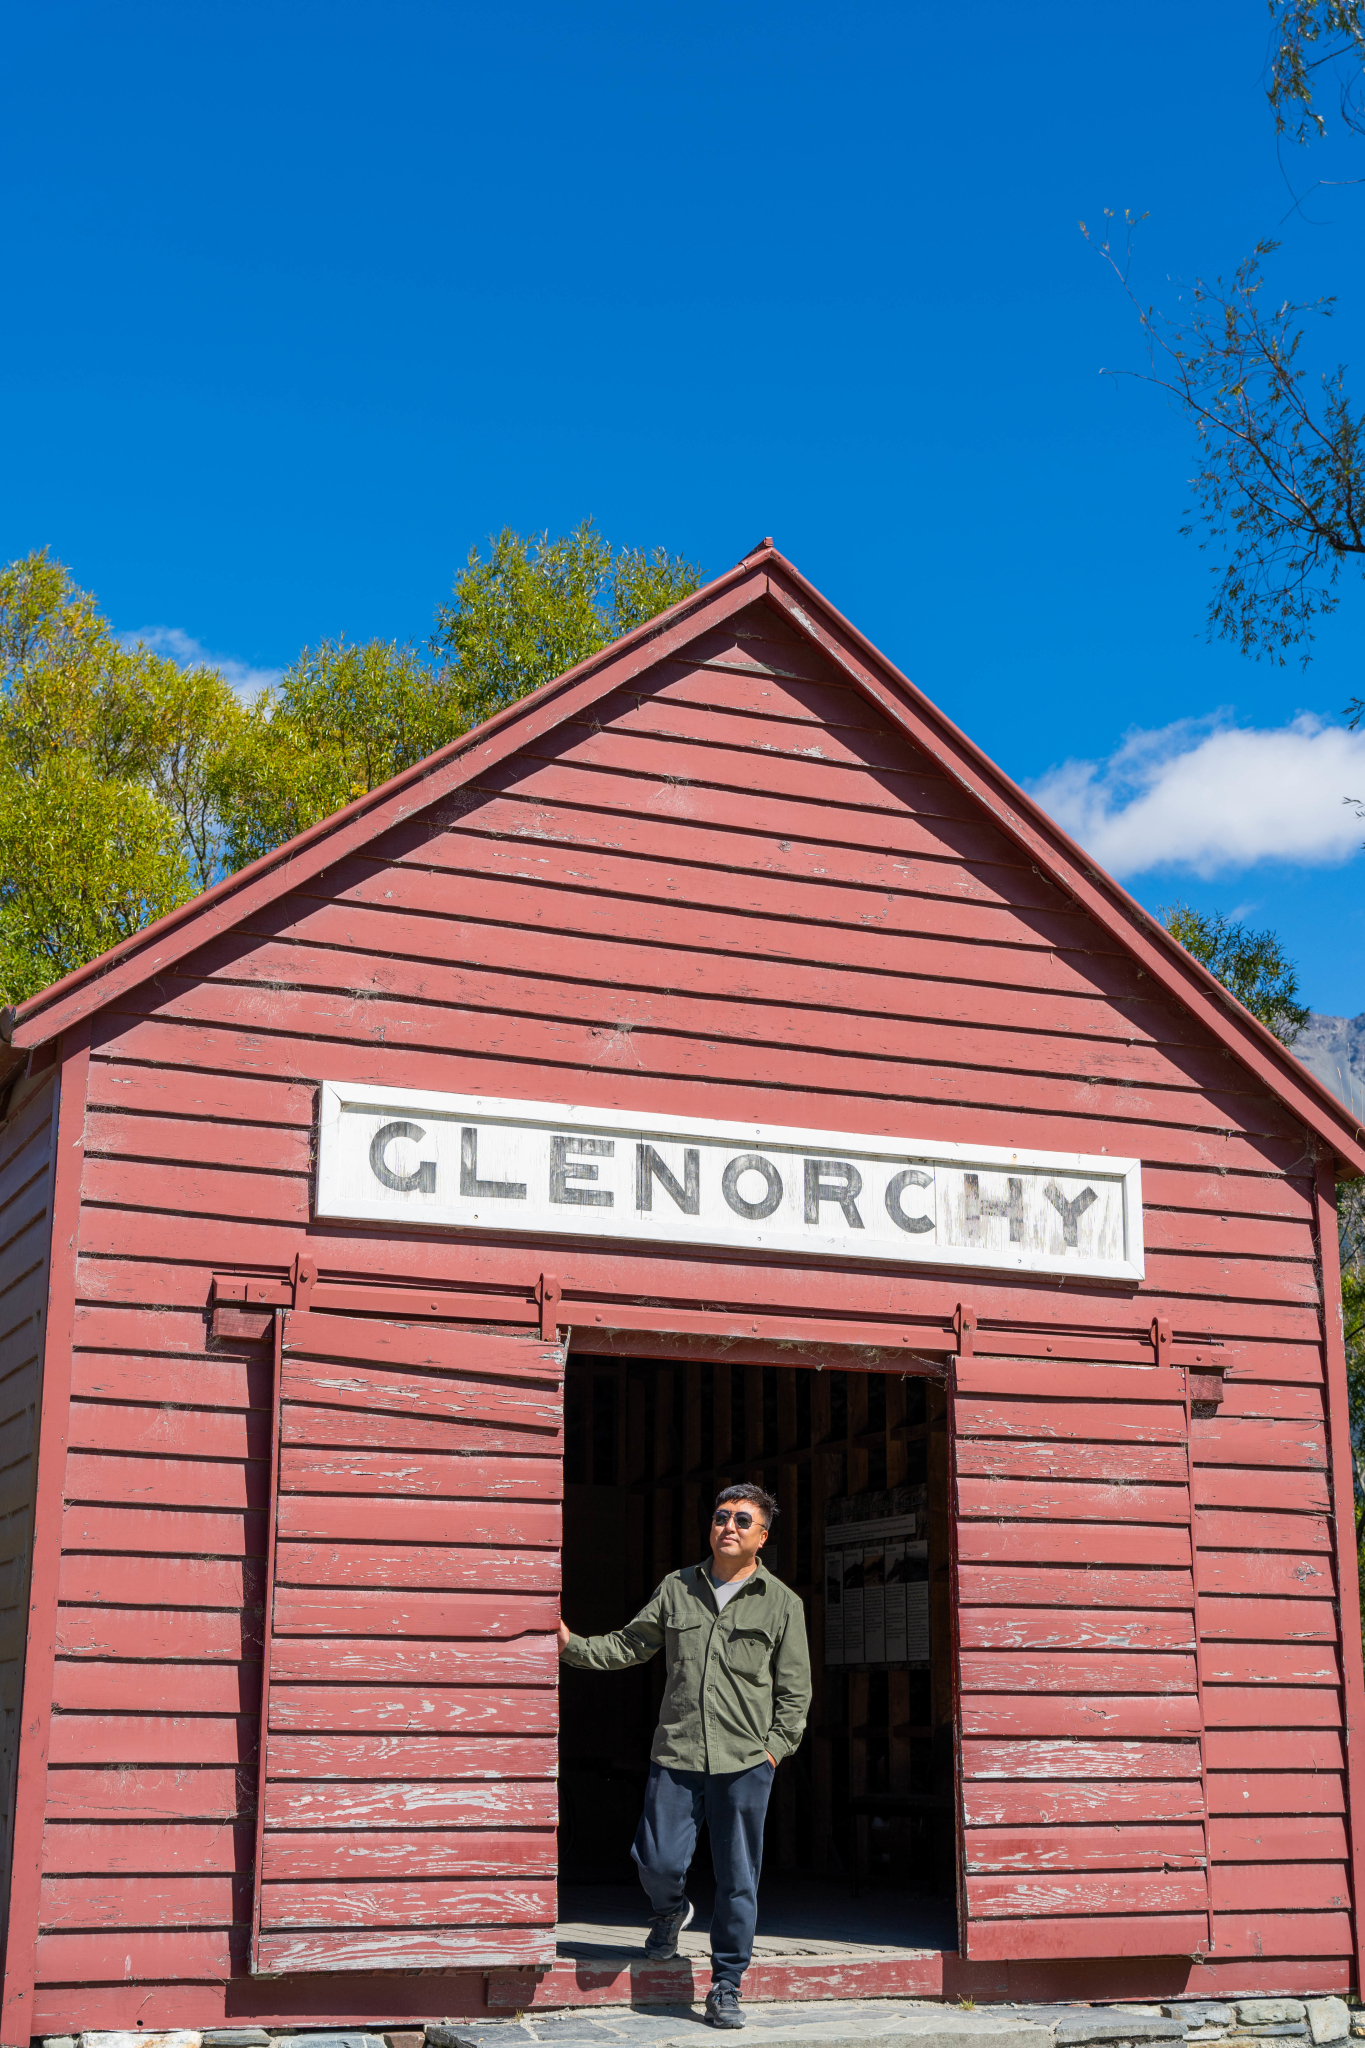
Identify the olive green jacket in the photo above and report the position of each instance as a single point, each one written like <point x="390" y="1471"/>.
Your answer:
<point x="738" y="1681"/>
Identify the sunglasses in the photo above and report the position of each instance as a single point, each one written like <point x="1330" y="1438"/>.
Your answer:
<point x="741" y="1517"/>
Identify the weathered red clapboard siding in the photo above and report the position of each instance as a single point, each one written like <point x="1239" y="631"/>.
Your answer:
<point x="737" y="895"/>
<point x="27" y="1140"/>
<point x="345" y="1385"/>
<point x="1095" y="1691"/>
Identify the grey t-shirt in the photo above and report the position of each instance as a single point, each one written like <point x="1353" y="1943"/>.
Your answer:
<point x="726" y="1589"/>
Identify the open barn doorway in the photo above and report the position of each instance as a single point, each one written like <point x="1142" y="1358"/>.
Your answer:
<point x="860" y="1847"/>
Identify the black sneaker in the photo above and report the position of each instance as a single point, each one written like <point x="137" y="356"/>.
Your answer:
<point x="723" y="2008"/>
<point x="661" y="1943"/>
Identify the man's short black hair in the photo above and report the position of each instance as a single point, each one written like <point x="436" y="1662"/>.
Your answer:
<point x="764" y="1502"/>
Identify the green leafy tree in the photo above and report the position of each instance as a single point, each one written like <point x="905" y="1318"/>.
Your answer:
<point x="1252" y="965"/>
<point x="537" y="606"/>
<point x="106" y="820"/>
<point x="343" y="720"/>
<point x="129" y="783"/>
<point x="346" y="718"/>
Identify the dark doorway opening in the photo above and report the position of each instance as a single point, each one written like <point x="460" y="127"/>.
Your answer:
<point x="858" y="1463"/>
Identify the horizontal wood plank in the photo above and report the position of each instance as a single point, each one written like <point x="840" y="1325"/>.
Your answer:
<point x="1278" y="1838"/>
<point x="1057" y="1586"/>
<point x="1030" y="1850"/>
<point x="1282" y="1934"/>
<point x="144" y="1955"/>
<point x="1068" y="1671"/>
<point x="1072" y="1543"/>
<point x="1272" y="1887"/>
<point x="1072" y="1392"/>
<point x="1270" y="1663"/>
<point x="1041" y="1896"/>
<point x="398" y="1856"/>
<point x="1261" y="1621"/>
<point x="413" y="1949"/>
<point x="1231" y="1486"/>
<point x="165" y="1739"/>
<point x="1053" y="1715"/>
<point x="146" y="1135"/>
<point x="152" y="1794"/>
<point x="1146" y="1934"/>
<point x="1245" y="1794"/>
<point x="1262" y="1529"/>
<point x="1068" y="1761"/>
<point x="368" y="1341"/>
<point x="166" y="1433"/>
<point x="419" y="1802"/>
<point x="435" y="1902"/>
<point x="390" y="1388"/>
<point x="1272" y="1706"/>
<point x="149" y="1847"/>
<point x="162" y="1482"/>
<point x="368" y="1610"/>
<point x="419" y="1474"/>
<point x="204" y="1094"/>
<point x="187" y="1381"/>
<point x="403" y="1755"/>
<point x="1066" y="1501"/>
<point x="202" y="1582"/>
<point x="1110" y="1463"/>
<point x="346" y="1429"/>
<point x="1076" y="1628"/>
<point x="525" y="1660"/>
<point x="1080" y="1803"/>
<point x="168" y="1633"/>
<point x="1274" y="1749"/>
<point x="327" y="1518"/>
<point x="84" y="1685"/>
<point x="486" y="1710"/>
<point x="416" y="1565"/>
<point x="1248" y="1573"/>
<point x="147" y="1900"/>
<point x="1261" y="1441"/>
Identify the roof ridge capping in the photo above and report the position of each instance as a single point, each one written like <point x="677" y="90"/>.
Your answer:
<point x="762" y="572"/>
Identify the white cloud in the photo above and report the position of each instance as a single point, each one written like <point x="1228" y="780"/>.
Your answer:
<point x="1210" y="796"/>
<point x="181" y="646"/>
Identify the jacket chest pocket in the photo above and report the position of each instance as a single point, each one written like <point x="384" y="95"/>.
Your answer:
<point x="684" y="1647"/>
<point x="749" y="1652"/>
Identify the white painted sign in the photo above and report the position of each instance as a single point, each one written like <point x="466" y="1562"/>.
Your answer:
<point x="472" y="1162"/>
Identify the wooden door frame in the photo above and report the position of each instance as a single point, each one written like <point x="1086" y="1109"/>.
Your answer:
<point x="657" y="1344"/>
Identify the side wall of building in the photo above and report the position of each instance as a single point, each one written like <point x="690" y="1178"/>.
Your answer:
<point x="734" y="893"/>
<point x="27" y="1140"/>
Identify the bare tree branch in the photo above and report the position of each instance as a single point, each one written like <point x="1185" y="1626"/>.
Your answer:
<point x="1308" y="36"/>
<point x="1280" y="490"/>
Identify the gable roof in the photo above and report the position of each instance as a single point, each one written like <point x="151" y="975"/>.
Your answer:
<point x="762" y="574"/>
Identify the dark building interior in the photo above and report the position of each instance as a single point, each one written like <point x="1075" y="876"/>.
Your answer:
<point x="864" y="1809"/>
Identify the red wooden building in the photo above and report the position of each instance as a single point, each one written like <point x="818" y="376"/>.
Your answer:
<point x="711" y="1065"/>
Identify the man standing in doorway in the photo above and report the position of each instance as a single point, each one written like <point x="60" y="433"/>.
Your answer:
<point x="735" y="1702"/>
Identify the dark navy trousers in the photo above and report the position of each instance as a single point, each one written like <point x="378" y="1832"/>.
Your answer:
<point x="734" y="1805"/>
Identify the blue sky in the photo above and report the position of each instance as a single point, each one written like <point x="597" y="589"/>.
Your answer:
<point x="307" y="299"/>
